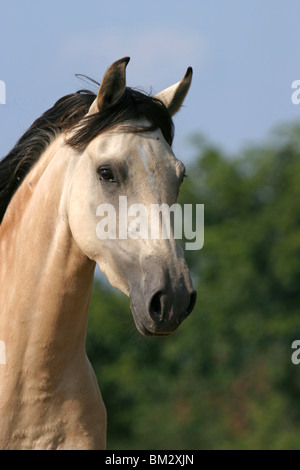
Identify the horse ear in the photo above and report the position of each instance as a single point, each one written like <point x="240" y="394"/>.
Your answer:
<point x="112" y="86"/>
<point x="173" y="96"/>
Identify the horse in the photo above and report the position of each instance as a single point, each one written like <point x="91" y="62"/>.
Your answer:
<point x="88" y="149"/>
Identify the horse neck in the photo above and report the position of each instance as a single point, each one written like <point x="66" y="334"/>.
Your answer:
<point x="46" y="280"/>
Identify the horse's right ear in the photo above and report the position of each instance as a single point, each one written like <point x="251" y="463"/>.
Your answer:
<point x="112" y="86"/>
<point x="173" y="96"/>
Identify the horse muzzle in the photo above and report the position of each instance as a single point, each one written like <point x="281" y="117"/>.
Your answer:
<point x="160" y="311"/>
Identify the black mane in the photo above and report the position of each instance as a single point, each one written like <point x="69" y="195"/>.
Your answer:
<point x="68" y="114"/>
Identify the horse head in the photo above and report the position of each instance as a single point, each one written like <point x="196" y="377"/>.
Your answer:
<point x="131" y="161"/>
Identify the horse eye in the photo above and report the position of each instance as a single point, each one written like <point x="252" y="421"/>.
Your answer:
<point x="106" y="174"/>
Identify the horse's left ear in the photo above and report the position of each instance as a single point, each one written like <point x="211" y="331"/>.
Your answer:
<point x="173" y="96"/>
<point x="112" y="86"/>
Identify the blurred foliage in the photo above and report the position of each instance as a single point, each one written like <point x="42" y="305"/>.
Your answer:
<point x="225" y="379"/>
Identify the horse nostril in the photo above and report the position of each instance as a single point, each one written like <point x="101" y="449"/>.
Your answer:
<point x="159" y="306"/>
<point x="156" y="307"/>
<point x="192" y="303"/>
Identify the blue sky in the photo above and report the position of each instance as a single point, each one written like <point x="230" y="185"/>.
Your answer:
<point x="245" y="55"/>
